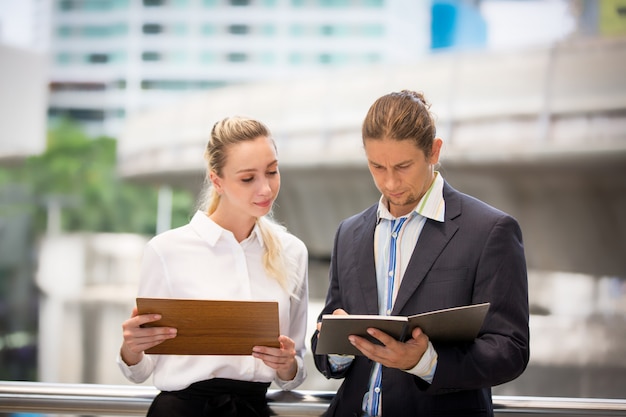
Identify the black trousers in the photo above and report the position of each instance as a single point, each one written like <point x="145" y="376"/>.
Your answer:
<point x="216" y="397"/>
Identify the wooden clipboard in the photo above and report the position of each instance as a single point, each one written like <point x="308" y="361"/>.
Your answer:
<point x="213" y="327"/>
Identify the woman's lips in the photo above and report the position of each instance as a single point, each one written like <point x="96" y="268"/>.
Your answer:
<point x="264" y="204"/>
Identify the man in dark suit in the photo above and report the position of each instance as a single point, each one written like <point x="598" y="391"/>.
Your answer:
<point x="424" y="246"/>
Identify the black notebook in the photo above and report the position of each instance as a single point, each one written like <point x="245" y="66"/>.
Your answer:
<point x="457" y="324"/>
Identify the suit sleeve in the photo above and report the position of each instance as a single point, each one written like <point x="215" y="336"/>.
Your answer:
<point x="333" y="302"/>
<point x="501" y="352"/>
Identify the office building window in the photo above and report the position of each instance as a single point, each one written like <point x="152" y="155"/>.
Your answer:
<point x="208" y="57"/>
<point x="75" y="86"/>
<point x="64" y="58"/>
<point x="327" y="30"/>
<point x="96" y="5"/>
<point x="92" y="5"/>
<point x="180" y="29"/>
<point x="268" y="58"/>
<point x="372" y="58"/>
<point x="65" y="31"/>
<point x="373" y="3"/>
<point x="118" y="85"/>
<point x="180" y="85"/>
<point x="372" y="30"/>
<point x="154" y="3"/>
<point x="341" y="58"/>
<point x="152" y="28"/>
<point x="117" y="57"/>
<point x="268" y="30"/>
<point x="343" y="30"/>
<point x="208" y="29"/>
<point x="84" y="115"/>
<point x="66" y="5"/>
<point x="90" y="115"/>
<point x="296" y="58"/>
<point x="334" y="3"/>
<point x="297" y="30"/>
<point x="178" y="57"/>
<point x="117" y="113"/>
<point x="335" y="30"/>
<point x="95" y="31"/>
<point x="237" y="57"/>
<point x="325" y="58"/>
<point x="239" y="29"/>
<point x="119" y="29"/>
<point x="150" y="56"/>
<point x="98" y="58"/>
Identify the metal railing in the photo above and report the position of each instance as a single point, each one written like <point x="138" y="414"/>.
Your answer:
<point x="123" y="400"/>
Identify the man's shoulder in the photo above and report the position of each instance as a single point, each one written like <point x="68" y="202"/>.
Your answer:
<point x="458" y="202"/>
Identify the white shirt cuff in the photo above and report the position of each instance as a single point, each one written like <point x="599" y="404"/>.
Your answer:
<point x="426" y="367"/>
<point x="296" y="381"/>
<point x="137" y="373"/>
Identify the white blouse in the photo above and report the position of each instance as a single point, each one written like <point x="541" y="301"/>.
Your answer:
<point x="201" y="260"/>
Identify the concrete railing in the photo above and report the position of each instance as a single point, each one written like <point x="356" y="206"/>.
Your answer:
<point x="123" y="400"/>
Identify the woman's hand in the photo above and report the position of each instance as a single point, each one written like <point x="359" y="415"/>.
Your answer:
<point x="137" y="339"/>
<point x="282" y="359"/>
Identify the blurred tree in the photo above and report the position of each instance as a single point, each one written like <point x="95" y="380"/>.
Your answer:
<point x="76" y="177"/>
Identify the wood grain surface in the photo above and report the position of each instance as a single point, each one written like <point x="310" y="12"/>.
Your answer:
<point x="213" y="327"/>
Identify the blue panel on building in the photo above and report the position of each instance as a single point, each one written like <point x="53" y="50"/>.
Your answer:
<point x="457" y="24"/>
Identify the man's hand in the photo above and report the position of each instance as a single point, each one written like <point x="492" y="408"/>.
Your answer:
<point x="393" y="354"/>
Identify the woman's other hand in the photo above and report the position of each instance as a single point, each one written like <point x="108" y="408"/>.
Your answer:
<point x="137" y="339"/>
<point x="282" y="359"/>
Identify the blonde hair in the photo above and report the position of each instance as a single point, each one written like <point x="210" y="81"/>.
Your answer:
<point x="226" y="133"/>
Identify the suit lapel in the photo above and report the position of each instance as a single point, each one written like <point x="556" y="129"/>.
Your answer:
<point x="432" y="240"/>
<point x="363" y="241"/>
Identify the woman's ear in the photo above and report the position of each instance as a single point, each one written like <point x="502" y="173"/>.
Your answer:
<point x="216" y="181"/>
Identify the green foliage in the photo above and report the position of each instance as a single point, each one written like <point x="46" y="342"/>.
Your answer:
<point x="79" y="174"/>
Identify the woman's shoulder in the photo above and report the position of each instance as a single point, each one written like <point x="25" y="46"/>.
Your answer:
<point x="172" y="236"/>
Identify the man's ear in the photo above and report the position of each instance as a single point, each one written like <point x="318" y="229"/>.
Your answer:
<point x="435" y="151"/>
<point x="216" y="181"/>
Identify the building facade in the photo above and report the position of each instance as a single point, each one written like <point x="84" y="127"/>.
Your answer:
<point x="113" y="57"/>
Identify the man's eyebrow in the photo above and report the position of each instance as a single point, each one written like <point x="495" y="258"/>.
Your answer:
<point x="406" y="162"/>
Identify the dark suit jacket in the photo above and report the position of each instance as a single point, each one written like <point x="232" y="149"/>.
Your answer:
<point x="476" y="255"/>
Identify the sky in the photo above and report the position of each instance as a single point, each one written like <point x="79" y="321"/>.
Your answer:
<point x="511" y="23"/>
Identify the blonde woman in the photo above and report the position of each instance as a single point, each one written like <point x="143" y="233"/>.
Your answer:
<point x="230" y="250"/>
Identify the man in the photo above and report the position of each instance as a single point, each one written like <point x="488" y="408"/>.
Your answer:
<point x="423" y="247"/>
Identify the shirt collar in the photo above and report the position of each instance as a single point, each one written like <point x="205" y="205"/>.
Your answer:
<point x="211" y="232"/>
<point x="431" y="205"/>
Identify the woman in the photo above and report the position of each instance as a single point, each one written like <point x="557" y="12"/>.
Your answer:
<point x="230" y="250"/>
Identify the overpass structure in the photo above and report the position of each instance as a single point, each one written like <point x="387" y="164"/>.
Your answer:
<point x="539" y="133"/>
